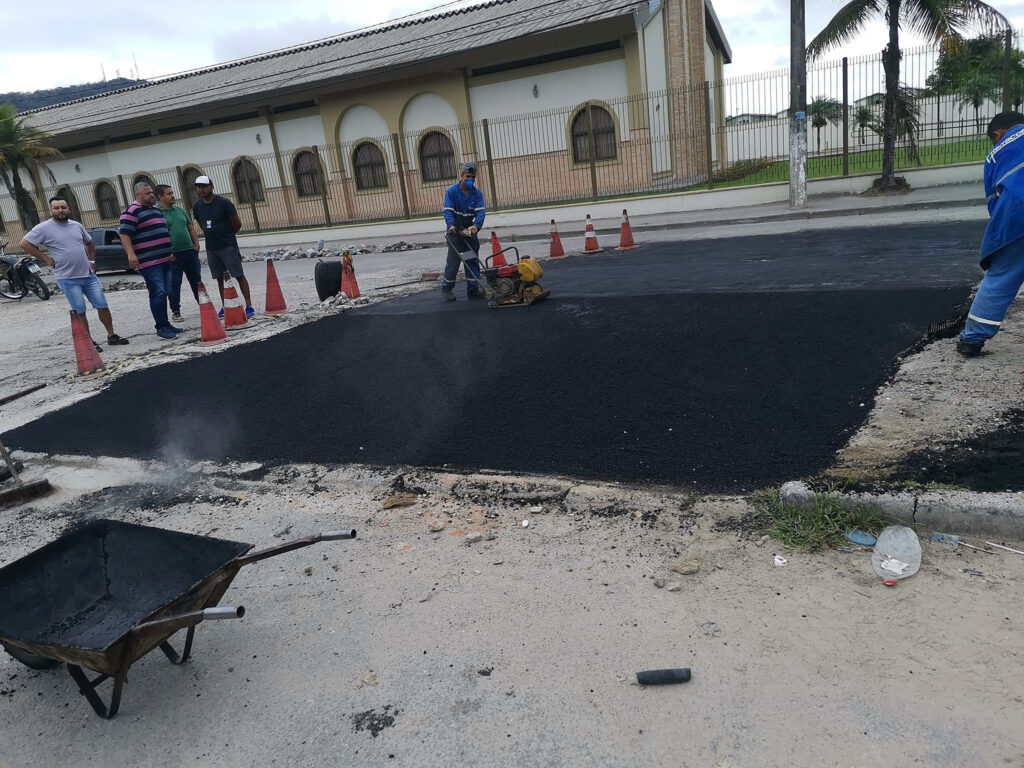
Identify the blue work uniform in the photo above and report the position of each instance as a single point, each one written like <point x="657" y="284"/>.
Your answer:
<point x="1002" y="249"/>
<point x="463" y="210"/>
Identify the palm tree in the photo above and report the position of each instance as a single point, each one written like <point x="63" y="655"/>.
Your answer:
<point x="944" y="21"/>
<point x="21" y="146"/>
<point x="907" y="118"/>
<point x="820" y="112"/>
<point x="863" y="119"/>
<point x="975" y="90"/>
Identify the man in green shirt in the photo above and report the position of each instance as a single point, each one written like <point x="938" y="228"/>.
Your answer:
<point x="185" y="247"/>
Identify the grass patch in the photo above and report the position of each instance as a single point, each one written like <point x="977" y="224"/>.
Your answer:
<point x="819" y="527"/>
<point x="820" y="166"/>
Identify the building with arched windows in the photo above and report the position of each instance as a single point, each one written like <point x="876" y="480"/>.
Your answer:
<point x="554" y="99"/>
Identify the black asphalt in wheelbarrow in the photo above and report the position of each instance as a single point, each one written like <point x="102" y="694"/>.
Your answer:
<point x="102" y="596"/>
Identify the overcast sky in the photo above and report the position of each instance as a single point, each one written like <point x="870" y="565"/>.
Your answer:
<point x="64" y="43"/>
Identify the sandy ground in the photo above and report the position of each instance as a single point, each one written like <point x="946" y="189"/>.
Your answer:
<point x="417" y="644"/>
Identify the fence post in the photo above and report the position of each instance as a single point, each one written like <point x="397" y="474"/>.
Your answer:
<point x="1007" y="56"/>
<point x="252" y="197"/>
<point x="490" y="165"/>
<point x="846" y="117"/>
<point x="591" y="151"/>
<point x="401" y="173"/>
<point x="322" y="173"/>
<point x="708" y="156"/>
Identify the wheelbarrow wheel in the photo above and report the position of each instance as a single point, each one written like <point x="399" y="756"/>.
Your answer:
<point x="29" y="659"/>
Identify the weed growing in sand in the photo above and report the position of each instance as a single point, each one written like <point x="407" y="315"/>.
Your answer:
<point x="818" y="527"/>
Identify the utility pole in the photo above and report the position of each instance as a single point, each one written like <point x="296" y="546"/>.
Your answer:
<point x="797" y="107"/>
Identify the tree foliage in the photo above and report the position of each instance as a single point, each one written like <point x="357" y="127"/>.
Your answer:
<point x="23" y="147"/>
<point x="942" y="21"/>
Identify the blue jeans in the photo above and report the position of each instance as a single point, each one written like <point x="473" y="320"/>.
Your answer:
<point x="78" y="289"/>
<point x="185" y="263"/>
<point x="999" y="287"/>
<point x="158" y="281"/>
<point x="471" y="266"/>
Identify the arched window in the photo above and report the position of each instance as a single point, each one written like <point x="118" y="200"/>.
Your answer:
<point x="144" y="178"/>
<point x="247" y="178"/>
<point x="437" y="158"/>
<point x="368" y="162"/>
<point x="306" y="167"/>
<point x="67" y="193"/>
<point x="605" y="146"/>
<point x="106" y="201"/>
<point x="188" y="181"/>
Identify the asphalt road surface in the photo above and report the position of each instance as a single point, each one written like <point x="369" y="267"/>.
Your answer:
<point x="725" y="365"/>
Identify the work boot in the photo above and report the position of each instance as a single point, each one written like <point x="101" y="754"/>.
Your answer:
<point x="447" y="295"/>
<point x="968" y="348"/>
<point x="475" y="295"/>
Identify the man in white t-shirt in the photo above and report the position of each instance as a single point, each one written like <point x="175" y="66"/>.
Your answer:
<point x="73" y="258"/>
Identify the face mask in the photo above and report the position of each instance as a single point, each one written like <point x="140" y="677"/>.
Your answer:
<point x="470" y="183"/>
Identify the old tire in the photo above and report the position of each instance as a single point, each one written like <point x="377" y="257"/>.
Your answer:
<point x="29" y="659"/>
<point x="327" y="277"/>
<point x="39" y="287"/>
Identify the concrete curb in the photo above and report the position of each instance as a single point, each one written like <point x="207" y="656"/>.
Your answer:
<point x="989" y="514"/>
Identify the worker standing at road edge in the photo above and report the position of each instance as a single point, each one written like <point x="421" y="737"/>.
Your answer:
<point x="1002" y="249"/>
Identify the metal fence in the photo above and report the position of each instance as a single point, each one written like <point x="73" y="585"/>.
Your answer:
<point x="729" y="133"/>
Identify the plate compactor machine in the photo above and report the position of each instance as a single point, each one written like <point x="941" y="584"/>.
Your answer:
<point x="504" y="285"/>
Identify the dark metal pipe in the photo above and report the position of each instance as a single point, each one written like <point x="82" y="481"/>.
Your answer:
<point x="280" y="549"/>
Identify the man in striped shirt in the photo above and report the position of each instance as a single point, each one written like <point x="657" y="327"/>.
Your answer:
<point x="147" y="240"/>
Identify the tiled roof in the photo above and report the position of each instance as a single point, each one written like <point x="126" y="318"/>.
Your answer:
<point x="388" y="47"/>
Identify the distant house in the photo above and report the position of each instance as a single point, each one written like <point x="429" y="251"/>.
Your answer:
<point x="878" y="99"/>
<point x="751" y="117"/>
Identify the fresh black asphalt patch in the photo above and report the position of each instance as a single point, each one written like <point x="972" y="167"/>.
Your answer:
<point x="722" y="365"/>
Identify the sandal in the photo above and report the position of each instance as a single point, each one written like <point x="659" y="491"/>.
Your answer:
<point x="115" y="339"/>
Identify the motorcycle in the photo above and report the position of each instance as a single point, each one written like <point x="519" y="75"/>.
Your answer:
<point x="19" y="276"/>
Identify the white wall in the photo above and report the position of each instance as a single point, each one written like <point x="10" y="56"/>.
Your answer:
<point x="428" y="110"/>
<point x="299" y="132"/>
<point x="657" y="82"/>
<point x="605" y="81"/>
<point x="211" y="147"/>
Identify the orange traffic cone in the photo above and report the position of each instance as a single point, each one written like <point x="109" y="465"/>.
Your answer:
<point x="90" y="364"/>
<point x="234" y="310"/>
<point x="498" y="259"/>
<point x="590" y="245"/>
<point x="275" y="299"/>
<point x="212" y="328"/>
<point x="349" y="286"/>
<point x="557" y="251"/>
<point x="626" y="235"/>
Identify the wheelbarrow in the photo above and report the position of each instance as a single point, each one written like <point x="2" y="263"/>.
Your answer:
<point x="104" y="595"/>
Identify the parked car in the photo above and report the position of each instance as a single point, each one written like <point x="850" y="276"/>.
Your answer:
<point x="110" y="254"/>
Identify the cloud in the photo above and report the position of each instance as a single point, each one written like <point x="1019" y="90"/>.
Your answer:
<point x="249" y="41"/>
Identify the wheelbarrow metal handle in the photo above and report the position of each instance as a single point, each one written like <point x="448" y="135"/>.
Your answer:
<point x="174" y="623"/>
<point x="335" y="535"/>
<point x="306" y="541"/>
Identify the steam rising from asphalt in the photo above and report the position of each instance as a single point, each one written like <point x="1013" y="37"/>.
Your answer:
<point x="186" y="439"/>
